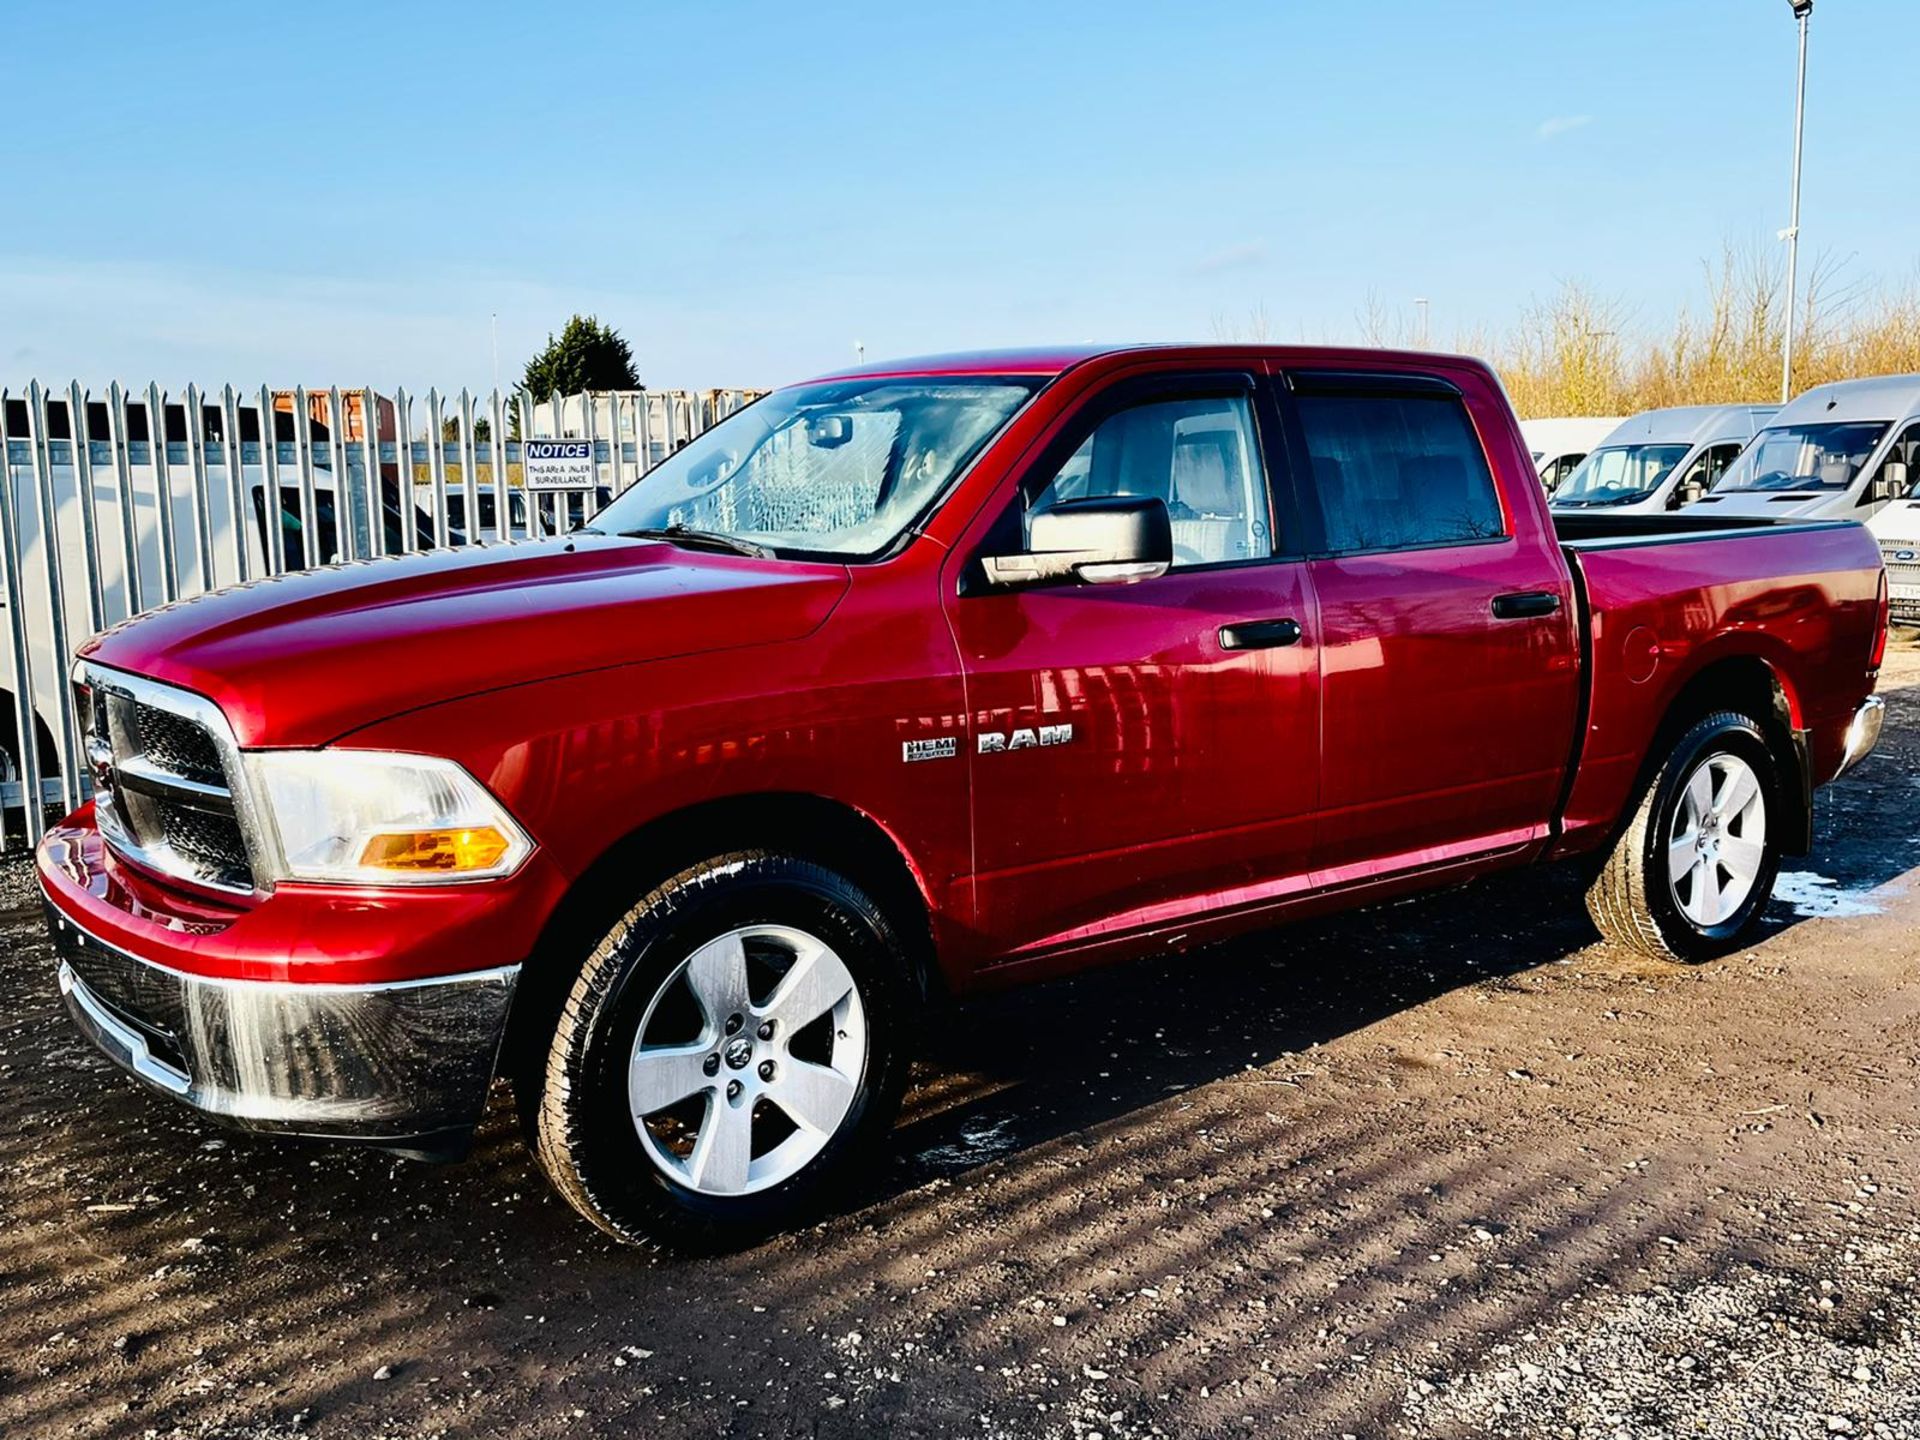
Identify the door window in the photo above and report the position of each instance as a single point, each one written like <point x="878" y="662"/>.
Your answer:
<point x="1197" y="454"/>
<point x="1708" y="466"/>
<point x="1905" y="450"/>
<point x="1395" y="472"/>
<point x="1559" y="469"/>
<point x="293" y="532"/>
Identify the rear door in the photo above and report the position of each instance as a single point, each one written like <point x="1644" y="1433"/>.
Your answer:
<point x="1447" y="643"/>
<point x="1142" y="750"/>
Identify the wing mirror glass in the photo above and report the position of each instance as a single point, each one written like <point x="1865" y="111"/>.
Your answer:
<point x="1891" y="482"/>
<point x="829" y="432"/>
<point x="1107" y="540"/>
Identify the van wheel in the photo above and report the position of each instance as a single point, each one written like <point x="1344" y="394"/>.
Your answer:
<point x="1694" y="868"/>
<point x="732" y="1048"/>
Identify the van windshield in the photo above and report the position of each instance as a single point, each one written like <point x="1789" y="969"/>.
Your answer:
<point x="839" y="468"/>
<point x="1618" y="474"/>
<point x="1804" y="457"/>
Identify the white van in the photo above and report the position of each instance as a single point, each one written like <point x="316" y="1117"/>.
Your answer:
<point x="1558" y="443"/>
<point x="1826" y="454"/>
<point x="1897" y="525"/>
<point x="1661" y="459"/>
<point x="134" y="565"/>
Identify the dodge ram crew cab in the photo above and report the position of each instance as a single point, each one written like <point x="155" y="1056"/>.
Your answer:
<point x="899" y="684"/>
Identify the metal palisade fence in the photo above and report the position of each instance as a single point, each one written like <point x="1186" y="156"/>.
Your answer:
<point x="117" y="502"/>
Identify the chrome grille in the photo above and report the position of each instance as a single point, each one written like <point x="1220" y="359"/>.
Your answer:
<point x="1902" y="558"/>
<point x="211" y="842"/>
<point x="178" y="744"/>
<point x="163" y="773"/>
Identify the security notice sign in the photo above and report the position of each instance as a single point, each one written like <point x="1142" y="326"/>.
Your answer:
<point x="557" y="464"/>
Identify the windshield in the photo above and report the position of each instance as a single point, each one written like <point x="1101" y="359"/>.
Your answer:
<point x="840" y="468"/>
<point x="1619" y="473"/>
<point x="1804" y="457"/>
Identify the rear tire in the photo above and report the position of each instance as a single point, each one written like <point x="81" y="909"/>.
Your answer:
<point x="1695" y="866"/>
<point x="732" y="1050"/>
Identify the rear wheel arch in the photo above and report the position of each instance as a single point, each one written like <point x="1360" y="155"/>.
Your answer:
<point x="808" y="827"/>
<point x="1751" y="685"/>
<point x="1699" y="823"/>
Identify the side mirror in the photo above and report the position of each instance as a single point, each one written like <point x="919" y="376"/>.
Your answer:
<point x="1890" y="483"/>
<point x="1685" y="493"/>
<point x="1106" y="540"/>
<point x="829" y="432"/>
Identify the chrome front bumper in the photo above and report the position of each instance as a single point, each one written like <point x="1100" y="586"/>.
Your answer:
<point x="1863" y="733"/>
<point x="404" y="1065"/>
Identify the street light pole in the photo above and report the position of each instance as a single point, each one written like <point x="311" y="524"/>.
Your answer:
<point x="1802" y="9"/>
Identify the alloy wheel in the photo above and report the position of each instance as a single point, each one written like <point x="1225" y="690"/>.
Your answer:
<point x="1717" y="840"/>
<point x="747" y="1061"/>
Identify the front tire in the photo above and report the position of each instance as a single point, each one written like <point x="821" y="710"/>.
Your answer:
<point x="731" y="1050"/>
<point x="1689" y="876"/>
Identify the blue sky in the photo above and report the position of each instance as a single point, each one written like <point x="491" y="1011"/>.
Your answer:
<point x="345" y="195"/>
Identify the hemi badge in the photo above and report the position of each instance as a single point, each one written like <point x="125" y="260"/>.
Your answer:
<point x="942" y="747"/>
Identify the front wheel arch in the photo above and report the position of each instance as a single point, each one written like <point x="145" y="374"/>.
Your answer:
<point x="599" y="1152"/>
<point x="805" y="826"/>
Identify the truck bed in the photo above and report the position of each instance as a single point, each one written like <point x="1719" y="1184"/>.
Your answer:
<point x="1665" y="596"/>
<point x="1588" y="531"/>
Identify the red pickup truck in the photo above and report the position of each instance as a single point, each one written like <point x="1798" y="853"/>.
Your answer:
<point x="913" y="680"/>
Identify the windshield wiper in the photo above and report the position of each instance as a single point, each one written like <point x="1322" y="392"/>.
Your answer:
<point x="699" y="540"/>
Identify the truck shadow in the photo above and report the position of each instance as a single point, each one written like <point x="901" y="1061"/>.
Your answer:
<point x="1020" y="1068"/>
<point x="1151" y="1136"/>
<point x="1024" y="1067"/>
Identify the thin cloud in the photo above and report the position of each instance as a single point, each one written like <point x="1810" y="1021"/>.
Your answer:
<point x="1234" y="257"/>
<point x="1554" y="126"/>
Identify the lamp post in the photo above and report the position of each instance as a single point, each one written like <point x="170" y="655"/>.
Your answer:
<point x="1802" y="9"/>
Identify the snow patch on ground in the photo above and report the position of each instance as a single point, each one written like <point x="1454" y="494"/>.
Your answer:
<point x="980" y="1141"/>
<point x="1818" y="897"/>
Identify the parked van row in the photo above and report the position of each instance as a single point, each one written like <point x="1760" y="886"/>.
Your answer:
<point x="1559" y="444"/>
<point x="1662" y="459"/>
<point x="1849" y="450"/>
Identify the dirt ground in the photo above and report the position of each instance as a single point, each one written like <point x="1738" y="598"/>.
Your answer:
<point x="1447" y="1167"/>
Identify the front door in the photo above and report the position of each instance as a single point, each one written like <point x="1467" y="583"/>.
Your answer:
<point x="1141" y="749"/>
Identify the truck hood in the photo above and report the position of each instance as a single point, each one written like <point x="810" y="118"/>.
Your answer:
<point x="302" y="659"/>
<point x="1768" y="504"/>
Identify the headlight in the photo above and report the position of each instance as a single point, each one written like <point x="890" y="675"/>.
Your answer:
<point x="371" y="817"/>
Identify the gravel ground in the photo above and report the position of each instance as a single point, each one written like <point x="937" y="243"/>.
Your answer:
<point x="1448" y="1167"/>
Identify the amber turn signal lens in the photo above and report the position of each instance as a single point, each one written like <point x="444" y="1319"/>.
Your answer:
<point x="443" y="852"/>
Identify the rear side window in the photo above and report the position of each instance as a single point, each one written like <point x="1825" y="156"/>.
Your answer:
<point x="1395" y="471"/>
